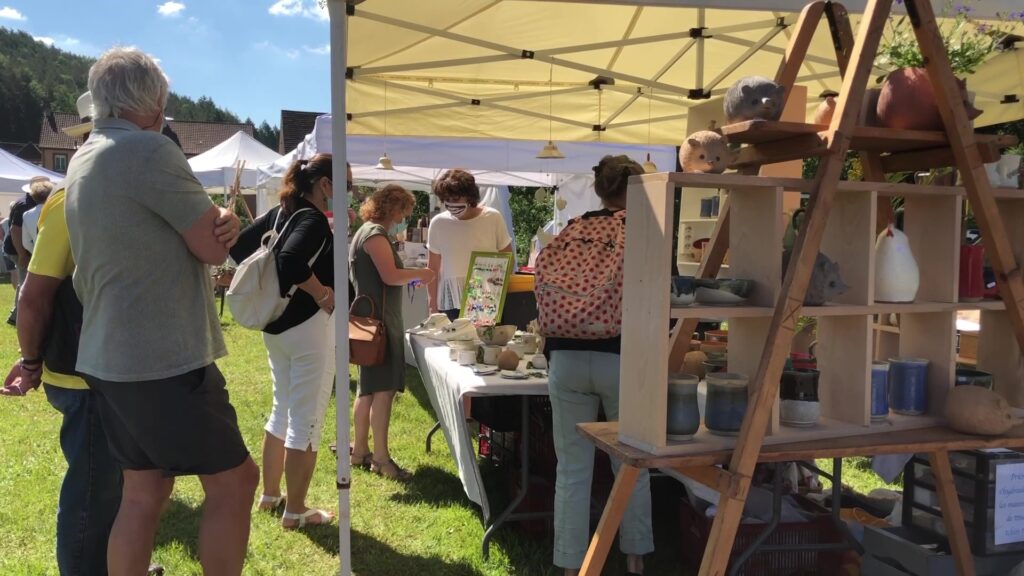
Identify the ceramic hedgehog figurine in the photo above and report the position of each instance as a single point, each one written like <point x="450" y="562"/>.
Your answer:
<point x="705" y="151"/>
<point x="754" y="98"/>
<point x="826" y="283"/>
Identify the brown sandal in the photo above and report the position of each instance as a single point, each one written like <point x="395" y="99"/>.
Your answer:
<point x="365" y="461"/>
<point x="390" y="469"/>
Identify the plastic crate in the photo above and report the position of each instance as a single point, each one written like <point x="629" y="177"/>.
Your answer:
<point x="974" y="475"/>
<point x="696" y="529"/>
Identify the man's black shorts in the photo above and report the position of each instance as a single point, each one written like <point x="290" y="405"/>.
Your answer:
<point x="183" y="425"/>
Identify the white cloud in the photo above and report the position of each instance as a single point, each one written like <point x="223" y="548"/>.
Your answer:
<point x="307" y="8"/>
<point x="9" y="13"/>
<point x="319" y="50"/>
<point x="289" y="53"/>
<point x="44" y="39"/>
<point x="170" y="9"/>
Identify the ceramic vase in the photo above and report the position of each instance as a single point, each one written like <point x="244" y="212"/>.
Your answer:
<point x="693" y="363"/>
<point x="908" y="386"/>
<point x="897" y="277"/>
<point x="972" y="273"/>
<point x="726" y="403"/>
<point x="683" y="418"/>
<point x="823" y="114"/>
<point x="971" y="377"/>
<point x="907" y="101"/>
<point x="879" y="391"/>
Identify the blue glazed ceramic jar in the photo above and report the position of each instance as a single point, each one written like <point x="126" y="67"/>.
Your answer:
<point x="908" y="386"/>
<point x="726" y="403"/>
<point x="683" y="415"/>
<point x="879" y="391"/>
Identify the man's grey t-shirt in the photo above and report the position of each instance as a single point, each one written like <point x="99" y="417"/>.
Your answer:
<point x="148" y="302"/>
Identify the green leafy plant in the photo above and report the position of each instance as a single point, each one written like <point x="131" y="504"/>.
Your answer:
<point x="968" y="41"/>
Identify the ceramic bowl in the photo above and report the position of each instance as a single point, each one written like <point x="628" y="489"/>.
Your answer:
<point x="799" y="413"/>
<point x="496" y="335"/>
<point x="683" y="290"/>
<point x="462" y="345"/>
<point x="723" y="291"/>
<point x="522" y="349"/>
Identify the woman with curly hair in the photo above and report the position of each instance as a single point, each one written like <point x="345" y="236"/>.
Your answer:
<point x="377" y="273"/>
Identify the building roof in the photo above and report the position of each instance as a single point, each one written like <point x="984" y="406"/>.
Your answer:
<point x="294" y="127"/>
<point x="195" y="137"/>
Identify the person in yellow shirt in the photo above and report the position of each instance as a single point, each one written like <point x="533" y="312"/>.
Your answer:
<point x="50" y="317"/>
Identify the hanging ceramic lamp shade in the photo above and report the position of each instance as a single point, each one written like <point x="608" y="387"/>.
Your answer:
<point x="648" y="166"/>
<point x="550" y="151"/>
<point x="384" y="163"/>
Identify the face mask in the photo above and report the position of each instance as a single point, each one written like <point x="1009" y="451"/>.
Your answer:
<point x="397" y="229"/>
<point x="456" y="209"/>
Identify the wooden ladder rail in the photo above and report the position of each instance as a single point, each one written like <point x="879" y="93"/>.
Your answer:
<point x="806" y="26"/>
<point x="794" y="286"/>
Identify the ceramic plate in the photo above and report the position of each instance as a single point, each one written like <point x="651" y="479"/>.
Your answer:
<point x="514" y="374"/>
<point x="717" y="297"/>
<point x="484" y="370"/>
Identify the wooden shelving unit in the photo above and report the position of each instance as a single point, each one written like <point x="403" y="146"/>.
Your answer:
<point x="841" y="221"/>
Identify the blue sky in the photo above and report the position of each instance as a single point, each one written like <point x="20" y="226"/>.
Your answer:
<point x="253" y="57"/>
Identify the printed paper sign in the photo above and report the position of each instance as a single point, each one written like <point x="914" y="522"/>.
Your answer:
<point x="1009" y="512"/>
<point x="486" y="287"/>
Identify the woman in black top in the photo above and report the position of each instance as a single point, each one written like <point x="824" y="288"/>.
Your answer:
<point x="300" y="344"/>
<point x="583" y="376"/>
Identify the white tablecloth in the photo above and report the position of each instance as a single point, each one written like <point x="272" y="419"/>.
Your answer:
<point x="447" y="383"/>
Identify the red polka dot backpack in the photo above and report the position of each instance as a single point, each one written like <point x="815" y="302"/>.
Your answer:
<point x="578" y="280"/>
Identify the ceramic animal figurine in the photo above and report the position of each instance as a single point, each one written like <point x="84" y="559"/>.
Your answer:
<point x="907" y="101"/>
<point x="754" y="98"/>
<point x="823" y="115"/>
<point x="826" y="283"/>
<point x="897" y="277"/>
<point x="705" y="151"/>
<point x="1006" y="172"/>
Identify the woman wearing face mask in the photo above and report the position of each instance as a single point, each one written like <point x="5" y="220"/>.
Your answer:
<point x="463" y="228"/>
<point x="300" y="344"/>
<point x="377" y="273"/>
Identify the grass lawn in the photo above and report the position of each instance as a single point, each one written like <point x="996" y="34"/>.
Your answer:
<point x="424" y="527"/>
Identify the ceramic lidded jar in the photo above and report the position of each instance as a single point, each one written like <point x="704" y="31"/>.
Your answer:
<point x="799" y="392"/>
<point x="726" y="403"/>
<point x="683" y="419"/>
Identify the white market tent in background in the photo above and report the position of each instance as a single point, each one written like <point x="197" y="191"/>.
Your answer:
<point x="15" y="173"/>
<point x="216" y="167"/>
<point x="584" y="71"/>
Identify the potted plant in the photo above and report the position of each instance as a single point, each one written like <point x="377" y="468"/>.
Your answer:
<point x="906" y="100"/>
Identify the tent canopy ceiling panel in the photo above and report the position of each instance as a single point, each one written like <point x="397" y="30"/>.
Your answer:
<point x="526" y="69"/>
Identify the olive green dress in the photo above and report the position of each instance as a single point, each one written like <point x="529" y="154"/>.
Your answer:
<point x="391" y="374"/>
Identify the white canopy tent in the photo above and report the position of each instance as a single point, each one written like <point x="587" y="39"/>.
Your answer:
<point x="15" y="173"/>
<point x="581" y="71"/>
<point x="216" y="167"/>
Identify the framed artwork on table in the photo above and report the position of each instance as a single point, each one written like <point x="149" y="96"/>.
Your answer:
<point x="486" y="287"/>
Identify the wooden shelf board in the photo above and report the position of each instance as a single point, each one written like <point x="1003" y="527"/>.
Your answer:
<point x="866" y="138"/>
<point x="966" y="361"/>
<point x="704" y="441"/>
<point x="886" y="328"/>
<point x="699" y="220"/>
<point x="698" y="311"/>
<point x="894" y="438"/>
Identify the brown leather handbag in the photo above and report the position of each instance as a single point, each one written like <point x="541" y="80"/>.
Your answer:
<point x="367" y="336"/>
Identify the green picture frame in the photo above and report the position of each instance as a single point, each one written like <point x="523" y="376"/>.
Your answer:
<point x="483" y="298"/>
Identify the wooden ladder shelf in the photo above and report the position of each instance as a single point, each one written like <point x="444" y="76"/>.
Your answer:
<point x="634" y="440"/>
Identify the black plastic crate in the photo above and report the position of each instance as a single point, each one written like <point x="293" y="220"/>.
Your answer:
<point x="974" y="475"/>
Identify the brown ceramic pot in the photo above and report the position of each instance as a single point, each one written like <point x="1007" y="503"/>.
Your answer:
<point x="907" y="101"/>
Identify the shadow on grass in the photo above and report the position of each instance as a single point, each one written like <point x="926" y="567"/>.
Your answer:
<point x="434" y="486"/>
<point x="414" y="385"/>
<point x="180" y="523"/>
<point x="371" y="557"/>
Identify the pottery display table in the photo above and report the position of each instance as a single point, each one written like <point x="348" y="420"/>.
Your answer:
<point x="447" y="384"/>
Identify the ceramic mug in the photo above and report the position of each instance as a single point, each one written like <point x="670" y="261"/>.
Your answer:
<point x="489" y="354"/>
<point x="683" y="417"/>
<point x="466" y="357"/>
<point x="726" y="403"/>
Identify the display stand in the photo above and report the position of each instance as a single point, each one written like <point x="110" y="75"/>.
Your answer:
<point x="840" y="219"/>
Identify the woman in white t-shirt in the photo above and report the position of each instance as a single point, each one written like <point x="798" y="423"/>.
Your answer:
<point x="463" y="228"/>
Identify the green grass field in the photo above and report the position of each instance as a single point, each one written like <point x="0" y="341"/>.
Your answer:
<point x="424" y="527"/>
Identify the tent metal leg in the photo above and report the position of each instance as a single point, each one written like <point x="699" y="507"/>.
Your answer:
<point x="430" y="435"/>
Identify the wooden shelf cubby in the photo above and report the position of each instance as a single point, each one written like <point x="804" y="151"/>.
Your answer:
<point x="846" y="326"/>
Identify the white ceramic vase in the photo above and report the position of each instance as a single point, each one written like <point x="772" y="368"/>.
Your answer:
<point x="896" y="274"/>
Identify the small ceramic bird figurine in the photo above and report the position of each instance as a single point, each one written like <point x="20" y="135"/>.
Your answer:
<point x="897" y="277"/>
